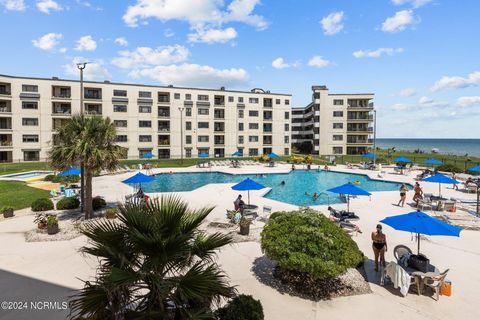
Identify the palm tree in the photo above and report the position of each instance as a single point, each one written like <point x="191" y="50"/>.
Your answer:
<point x="87" y="139"/>
<point x="155" y="263"/>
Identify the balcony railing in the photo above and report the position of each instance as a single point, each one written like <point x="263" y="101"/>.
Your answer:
<point x="6" y="143"/>
<point x="62" y="111"/>
<point x="5" y="109"/>
<point x="164" y="129"/>
<point x="5" y="92"/>
<point x="93" y="112"/>
<point x="369" y="117"/>
<point x="93" y="96"/>
<point x="164" y="114"/>
<point x="163" y="142"/>
<point x="268" y="105"/>
<point x="365" y="129"/>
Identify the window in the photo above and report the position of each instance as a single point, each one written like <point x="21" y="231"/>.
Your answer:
<point x="240" y="99"/>
<point x="144" y="109"/>
<point x="188" y="96"/>
<point x="176" y="96"/>
<point x="203" y="138"/>
<point x="337" y="137"/>
<point x="119" y="108"/>
<point x="30" y="138"/>
<point x="286" y="139"/>
<point x="338" y="113"/>
<point x="29" y="105"/>
<point x="163" y="97"/>
<point x="253" y="100"/>
<point x="203" y="111"/>
<point x="240" y="126"/>
<point x="144" y="138"/>
<point x="188" y="153"/>
<point x="122" y="138"/>
<point x="144" y="124"/>
<point x="253" y="126"/>
<point x="30" y="121"/>
<point x="338" y="102"/>
<point x="253" y="152"/>
<point x="253" y="113"/>
<point x="144" y="94"/>
<point x="203" y="125"/>
<point x="287" y="151"/>
<point x="337" y="150"/>
<point x="230" y="99"/>
<point x="338" y="126"/>
<point x="202" y="97"/>
<point x="287" y="102"/>
<point x="287" y="115"/>
<point x="29" y="88"/>
<point x="240" y="113"/>
<point x="119" y="93"/>
<point x="287" y="127"/>
<point x="120" y="123"/>
<point x="240" y="139"/>
<point x="252" y="138"/>
<point x="188" y="125"/>
<point x="188" y="139"/>
<point x="31" y="155"/>
<point x="188" y="112"/>
<point x="277" y="101"/>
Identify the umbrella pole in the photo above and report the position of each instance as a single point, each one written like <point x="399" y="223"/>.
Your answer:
<point x="478" y="200"/>
<point x="439" y="190"/>
<point x="248" y="197"/>
<point x="348" y="203"/>
<point x="418" y="243"/>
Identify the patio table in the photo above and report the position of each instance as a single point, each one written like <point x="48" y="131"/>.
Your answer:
<point x="419" y="275"/>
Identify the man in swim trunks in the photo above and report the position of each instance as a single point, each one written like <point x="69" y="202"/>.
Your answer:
<point x="379" y="246"/>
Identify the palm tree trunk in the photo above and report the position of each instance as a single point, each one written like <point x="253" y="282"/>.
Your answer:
<point x="88" y="194"/>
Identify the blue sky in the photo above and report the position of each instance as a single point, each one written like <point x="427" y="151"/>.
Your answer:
<point x="419" y="57"/>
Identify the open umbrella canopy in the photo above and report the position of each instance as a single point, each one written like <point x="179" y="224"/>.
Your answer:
<point x="475" y="169"/>
<point x="403" y="159"/>
<point x="247" y="185"/>
<point x="203" y="155"/>
<point x="421" y="223"/>
<point x="148" y="155"/>
<point x="349" y="190"/>
<point x="237" y="154"/>
<point x="70" y="172"/>
<point x="440" y="178"/>
<point x="369" y="155"/>
<point x="139" y="178"/>
<point x="433" y="162"/>
<point x="273" y="155"/>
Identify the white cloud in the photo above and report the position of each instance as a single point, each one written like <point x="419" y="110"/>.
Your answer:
<point x="86" y="43"/>
<point x="279" y="63"/>
<point x="95" y="70"/>
<point x="318" y="61"/>
<point x="423" y="103"/>
<point x="413" y="3"/>
<point x="407" y="92"/>
<point x="332" y="23"/>
<point x="377" y="53"/>
<point x="62" y="50"/>
<point x="468" y="101"/>
<point x="196" y="12"/>
<point x="46" y="6"/>
<point x="13" y="5"/>
<point x="425" y="100"/>
<point x="194" y="75"/>
<point x="402" y="106"/>
<point x="399" y="21"/>
<point x="121" y="41"/>
<point x="168" y="33"/>
<point x="47" y="41"/>
<point x="212" y="35"/>
<point x="144" y="57"/>
<point x="456" y="82"/>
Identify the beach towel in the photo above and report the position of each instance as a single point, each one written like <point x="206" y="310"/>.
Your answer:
<point x="399" y="277"/>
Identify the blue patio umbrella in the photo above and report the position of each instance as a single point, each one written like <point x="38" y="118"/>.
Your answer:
<point x="273" y="155"/>
<point x="247" y="185"/>
<point x="369" y="155"/>
<point x="138" y="178"/>
<point x="403" y="159"/>
<point x="350" y="190"/>
<point x="421" y="223"/>
<point x="475" y="169"/>
<point x="237" y="154"/>
<point x="433" y="162"/>
<point x="203" y="155"/>
<point x="70" y="172"/>
<point x="148" y="155"/>
<point x="440" y="178"/>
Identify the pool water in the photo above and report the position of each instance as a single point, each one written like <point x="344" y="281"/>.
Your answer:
<point x="27" y="175"/>
<point x="297" y="183"/>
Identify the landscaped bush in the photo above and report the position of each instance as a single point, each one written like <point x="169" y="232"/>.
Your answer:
<point x="68" y="203"/>
<point x="98" y="203"/>
<point x="49" y="177"/>
<point x="42" y="204"/>
<point x="308" y="242"/>
<point x="448" y="168"/>
<point x="242" y="307"/>
<point x="75" y="178"/>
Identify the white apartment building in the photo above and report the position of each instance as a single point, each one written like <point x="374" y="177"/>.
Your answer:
<point x="334" y="124"/>
<point x="148" y="118"/>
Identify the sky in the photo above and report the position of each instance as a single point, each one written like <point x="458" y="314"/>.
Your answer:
<point x="419" y="57"/>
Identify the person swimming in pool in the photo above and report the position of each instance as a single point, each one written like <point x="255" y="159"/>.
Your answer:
<point x="282" y="183"/>
<point x="315" y="196"/>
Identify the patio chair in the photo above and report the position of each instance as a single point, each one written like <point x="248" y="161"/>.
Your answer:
<point x="425" y="203"/>
<point x="400" y="250"/>
<point x="436" y="282"/>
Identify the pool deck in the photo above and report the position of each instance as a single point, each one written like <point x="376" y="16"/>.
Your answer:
<point x="59" y="262"/>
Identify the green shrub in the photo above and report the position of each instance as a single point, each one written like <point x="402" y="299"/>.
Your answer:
<point x="68" y="203"/>
<point x="52" y="220"/>
<point x="42" y="204"/>
<point x="307" y="241"/>
<point x="111" y="213"/>
<point x="73" y="178"/>
<point x="49" y="177"/>
<point x="448" y="168"/>
<point x="98" y="203"/>
<point x="242" y="307"/>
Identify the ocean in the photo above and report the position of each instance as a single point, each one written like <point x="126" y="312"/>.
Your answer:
<point x="444" y="146"/>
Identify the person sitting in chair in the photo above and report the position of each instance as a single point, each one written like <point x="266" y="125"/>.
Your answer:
<point x="239" y="204"/>
<point x="140" y="194"/>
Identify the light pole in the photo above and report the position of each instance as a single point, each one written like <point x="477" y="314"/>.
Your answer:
<point x="374" y="137"/>
<point x="181" y="133"/>
<point x="81" y="66"/>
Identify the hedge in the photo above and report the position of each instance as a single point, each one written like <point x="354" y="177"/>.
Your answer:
<point x="68" y="203"/>
<point x="42" y="204"/>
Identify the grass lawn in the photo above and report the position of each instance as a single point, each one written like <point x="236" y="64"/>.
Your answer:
<point x="18" y="195"/>
<point x="7" y="168"/>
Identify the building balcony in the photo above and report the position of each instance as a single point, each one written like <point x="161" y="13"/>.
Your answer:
<point x="6" y="144"/>
<point x="361" y="129"/>
<point x="368" y="118"/>
<point x="164" y="129"/>
<point x="359" y="141"/>
<point x="5" y="109"/>
<point x="61" y="92"/>
<point x="93" y="95"/>
<point x="164" y="114"/>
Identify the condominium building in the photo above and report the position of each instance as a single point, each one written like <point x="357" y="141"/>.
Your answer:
<point x="334" y="124"/>
<point x="149" y="119"/>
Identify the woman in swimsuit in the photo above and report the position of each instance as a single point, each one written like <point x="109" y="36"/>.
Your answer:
<point x="379" y="246"/>
<point x="418" y="193"/>
<point x="403" y="195"/>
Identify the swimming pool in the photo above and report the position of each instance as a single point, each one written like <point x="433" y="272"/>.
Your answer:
<point x="293" y="191"/>
<point x="31" y="175"/>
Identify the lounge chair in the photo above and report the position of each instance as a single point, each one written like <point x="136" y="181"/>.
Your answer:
<point x="343" y="215"/>
<point x="436" y="282"/>
<point x="400" y="250"/>
<point x="425" y="203"/>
